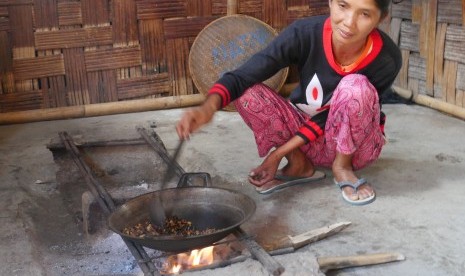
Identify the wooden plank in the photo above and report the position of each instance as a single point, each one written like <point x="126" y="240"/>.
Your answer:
<point x="317" y="3"/>
<point x="3" y="11"/>
<point x="450" y="78"/>
<point x="394" y="31"/>
<point x="431" y="23"/>
<point x="417" y="11"/>
<point x="153" y="48"/>
<point x="102" y="86"/>
<point x="439" y="50"/>
<point x="95" y="12"/>
<point x="424" y="30"/>
<point x="38" y="67"/>
<point x="219" y="7"/>
<point x="459" y="98"/>
<point x="57" y="92"/>
<point x="402" y="10"/>
<point x="15" y="2"/>
<point x="422" y="87"/>
<point x="71" y="38"/>
<point x="463" y="98"/>
<point x="124" y="23"/>
<point x="45" y="13"/>
<point x="22" y="34"/>
<point x="185" y="27"/>
<point x="69" y="13"/>
<point x="20" y="101"/>
<point x="112" y="58"/>
<point x="250" y="6"/>
<point x="417" y="67"/>
<point x="403" y="73"/>
<point x="4" y="24"/>
<point x="294" y="14"/>
<point x="274" y="13"/>
<point x="448" y="12"/>
<point x="199" y="8"/>
<point x="177" y="50"/>
<point x="161" y="9"/>
<point x="455" y="33"/>
<point x="297" y="3"/>
<point x="7" y="83"/>
<point x="463" y="12"/>
<point x="76" y="76"/>
<point x="409" y="39"/>
<point x="144" y="86"/>
<point x="6" y="65"/>
<point x="47" y="102"/>
<point x="438" y="93"/>
<point x="454" y="51"/>
<point x="413" y="86"/>
<point x="95" y="86"/>
<point x="461" y="77"/>
<point x="22" y="41"/>
<point x="455" y="39"/>
<point x="125" y="33"/>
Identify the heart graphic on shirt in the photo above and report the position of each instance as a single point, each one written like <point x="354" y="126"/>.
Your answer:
<point x="314" y="98"/>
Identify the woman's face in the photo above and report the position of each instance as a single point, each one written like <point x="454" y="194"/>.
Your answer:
<point x="353" y="20"/>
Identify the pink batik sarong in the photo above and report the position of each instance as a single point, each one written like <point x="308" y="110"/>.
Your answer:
<point x="352" y="126"/>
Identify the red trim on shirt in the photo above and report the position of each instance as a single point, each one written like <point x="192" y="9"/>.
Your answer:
<point x="327" y="45"/>
<point x="311" y="130"/>
<point x="308" y="133"/>
<point x="315" y="127"/>
<point x="223" y="92"/>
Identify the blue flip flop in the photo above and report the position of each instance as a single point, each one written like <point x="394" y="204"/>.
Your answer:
<point x="355" y="186"/>
<point x="291" y="181"/>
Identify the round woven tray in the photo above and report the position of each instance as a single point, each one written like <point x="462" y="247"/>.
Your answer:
<point x="225" y="44"/>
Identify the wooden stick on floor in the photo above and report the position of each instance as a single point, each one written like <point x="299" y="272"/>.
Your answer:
<point x="328" y="263"/>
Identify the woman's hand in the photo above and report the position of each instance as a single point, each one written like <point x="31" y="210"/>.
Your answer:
<point x="266" y="171"/>
<point x="194" y="118"/>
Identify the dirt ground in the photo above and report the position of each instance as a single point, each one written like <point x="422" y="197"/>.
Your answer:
<point x="418" y="211"/>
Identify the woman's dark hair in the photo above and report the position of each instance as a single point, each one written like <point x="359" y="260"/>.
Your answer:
<point x="383" y="5"/>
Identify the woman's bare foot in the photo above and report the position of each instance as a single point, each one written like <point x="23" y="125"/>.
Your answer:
<point x="342" y="171"/>
<point x="297" y="165"/>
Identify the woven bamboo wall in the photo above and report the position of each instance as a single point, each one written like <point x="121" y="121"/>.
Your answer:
<point x="431" y="35"/>
<point x="57" y="53"/>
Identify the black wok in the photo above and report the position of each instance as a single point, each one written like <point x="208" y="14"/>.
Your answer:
<point x="205" y="207"/>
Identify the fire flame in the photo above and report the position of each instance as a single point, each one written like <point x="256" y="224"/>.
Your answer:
<point x="196" y="258"/>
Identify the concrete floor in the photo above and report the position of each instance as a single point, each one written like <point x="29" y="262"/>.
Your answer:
<point x="418" y="212"/>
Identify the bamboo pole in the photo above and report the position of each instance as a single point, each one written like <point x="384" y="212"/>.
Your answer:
<point x="439" y="105"/>
<point x="231" y="7"/>
<point x="101" y="109"/>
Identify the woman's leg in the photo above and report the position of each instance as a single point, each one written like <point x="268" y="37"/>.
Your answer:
<point x="352" y="132"/>
<point x="273" y="121"/>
